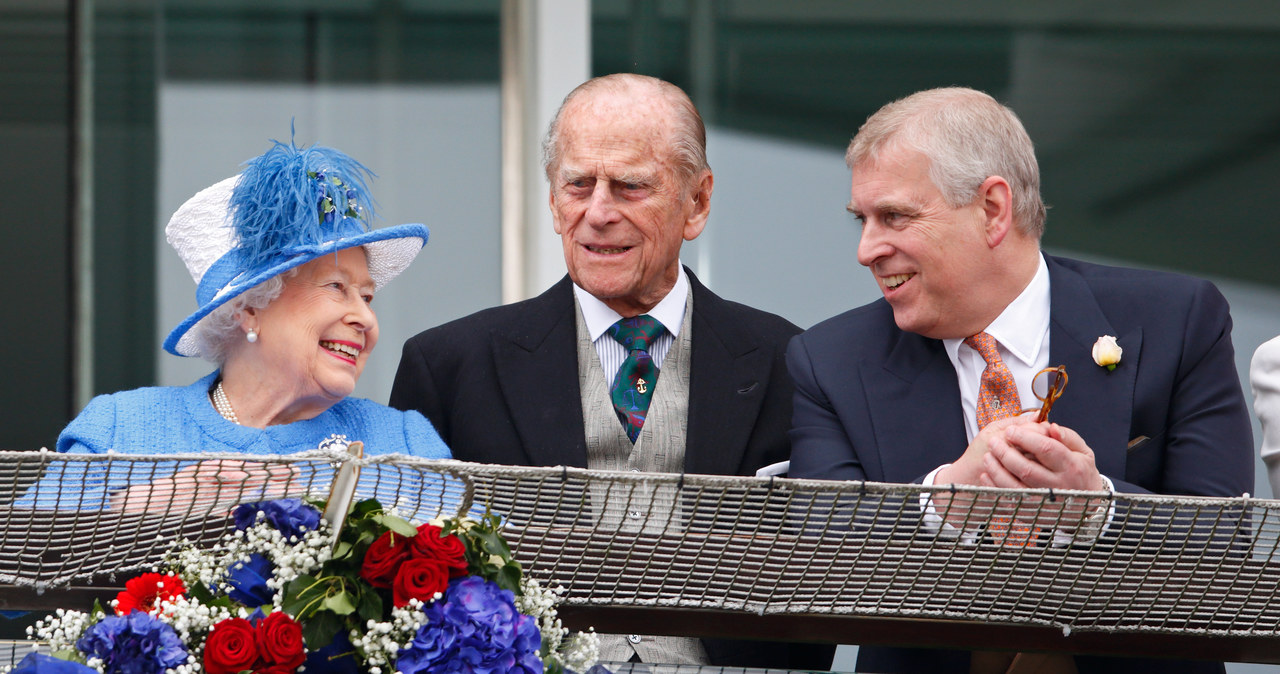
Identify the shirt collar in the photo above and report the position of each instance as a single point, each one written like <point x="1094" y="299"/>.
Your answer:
<point x="1022" y="326"/>
<point x="669" y="312"/>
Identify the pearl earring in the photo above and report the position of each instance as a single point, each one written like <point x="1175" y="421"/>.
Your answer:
<point x="251" y="336"/>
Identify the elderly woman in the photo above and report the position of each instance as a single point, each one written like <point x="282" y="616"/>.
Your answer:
<point x="286" y="269"/>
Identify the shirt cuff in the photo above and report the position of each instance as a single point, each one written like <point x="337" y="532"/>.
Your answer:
<point x="1096" y="522"/>
<point x="933" y="522"/>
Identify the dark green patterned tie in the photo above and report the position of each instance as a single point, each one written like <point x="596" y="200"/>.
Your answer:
<point x="633" y="386"/>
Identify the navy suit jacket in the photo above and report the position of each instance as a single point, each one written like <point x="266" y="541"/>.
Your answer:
<point x="501" y="386"/>
<point x="876" y="403"/>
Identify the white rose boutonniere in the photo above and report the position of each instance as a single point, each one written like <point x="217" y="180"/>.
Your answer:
<point x="1106" y="352"/>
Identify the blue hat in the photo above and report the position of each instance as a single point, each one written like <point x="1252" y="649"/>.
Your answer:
<point x="288" y="207"/>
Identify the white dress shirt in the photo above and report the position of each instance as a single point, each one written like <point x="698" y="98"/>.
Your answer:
<point x="1021" y="332"/>
<point x="599" y="318"/>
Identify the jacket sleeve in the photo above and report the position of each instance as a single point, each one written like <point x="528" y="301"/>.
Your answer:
<point x="1209" y="449"/>
<point x="820" y="447"/>
<point x="93" y="430"/>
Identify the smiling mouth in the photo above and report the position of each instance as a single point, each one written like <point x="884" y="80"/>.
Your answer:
<point x="895" y="281"/>
<point x="342" y="350"/>
<point x="608" y="251"/>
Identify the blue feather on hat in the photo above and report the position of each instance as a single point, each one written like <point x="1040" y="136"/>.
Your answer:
<point x="289" y="197"/>
<point x="287" y="207"/>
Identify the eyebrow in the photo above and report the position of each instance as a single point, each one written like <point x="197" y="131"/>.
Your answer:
<point x="895" y="205"/>
<point x="636" y="177"/>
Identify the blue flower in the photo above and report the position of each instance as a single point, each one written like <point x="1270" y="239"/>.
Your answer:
<point x="134" y="644"/>
<point x="475" y="629"/>
<point x="290" y="516"/>
<point x="248" y="581"/>
<point x="339" y="657"/>
<point x="39" y="663"/>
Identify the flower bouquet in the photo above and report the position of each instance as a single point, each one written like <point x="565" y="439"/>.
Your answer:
<point x="284" y="592"/>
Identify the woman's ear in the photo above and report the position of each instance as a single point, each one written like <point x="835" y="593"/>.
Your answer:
<point x="248" y="320"/>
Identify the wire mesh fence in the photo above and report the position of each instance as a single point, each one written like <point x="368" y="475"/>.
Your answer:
<point x="1070" y="560"/>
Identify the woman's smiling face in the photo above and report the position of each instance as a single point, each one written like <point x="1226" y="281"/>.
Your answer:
<point x="317" y="335"/>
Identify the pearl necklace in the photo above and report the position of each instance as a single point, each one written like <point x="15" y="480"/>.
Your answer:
<point x="223" y="405"/>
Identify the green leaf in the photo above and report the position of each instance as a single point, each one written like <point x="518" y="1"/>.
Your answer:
<point x="369" y="606"/>
<point x="200" y="592"/>
<point x="509" y="578"/>
<point x="69" y="654"/>
<point x="397" y="525"/>
<point x="340" y="603"/>
<point x="342" y="550"/>
<point x="299" y="593"/>
<point x="363" y="508"/>
<point x="319" y="630"/>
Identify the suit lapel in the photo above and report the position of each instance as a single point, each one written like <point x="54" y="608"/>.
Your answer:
<point x="537" y="365"/>
<point x="915" y="411"/>
<point x="1097" y="403"/>
<point x="727" y="377"/>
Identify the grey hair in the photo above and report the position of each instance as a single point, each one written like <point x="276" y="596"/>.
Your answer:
<point x="688" y="133"/>
<point x="968" y="137"/>
<point x="215" y="333"/>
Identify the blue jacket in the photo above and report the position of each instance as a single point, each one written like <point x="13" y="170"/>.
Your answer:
<point x="181" y="420"/>
<point x="876" y="403"/>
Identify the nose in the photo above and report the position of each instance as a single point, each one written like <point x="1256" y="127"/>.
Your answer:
<point x="872" y="245"/>
<point x="361" y="316"/>
<point x="601" y="208"/>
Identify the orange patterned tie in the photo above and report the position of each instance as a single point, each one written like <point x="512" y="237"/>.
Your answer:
<point x="998" y="399"/>
<point x="998" y="394"/>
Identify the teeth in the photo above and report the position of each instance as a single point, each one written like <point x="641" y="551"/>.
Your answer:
<point x="341" y="348"/>
<point x="896" y="280"/>
<point x="608" y="251"/>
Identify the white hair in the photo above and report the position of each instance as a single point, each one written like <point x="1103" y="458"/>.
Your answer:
<point x="688" y="133"/>
<point x="215" y="333"/>
<point x="968" y="137"/>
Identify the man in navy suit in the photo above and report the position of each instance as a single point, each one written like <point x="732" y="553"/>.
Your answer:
<point x="529" y="383"/>
<point x="947" y="189"/>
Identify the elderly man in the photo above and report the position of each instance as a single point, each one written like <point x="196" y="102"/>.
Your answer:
<point x="925" y="384"/>
<point x="628" y="363"/>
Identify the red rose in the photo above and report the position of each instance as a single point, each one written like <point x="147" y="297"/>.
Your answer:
<point x="420" y="579"/>
<point x="230" y="648"/>
<point x="383" y="558"/>
<point x="280" y="642"/>
<point x="145" y="591"/>
<point x="431" y="543"/>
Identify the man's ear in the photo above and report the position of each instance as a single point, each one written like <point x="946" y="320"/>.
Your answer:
<point x="995" y="198"/>
<point x="701" y="197"/>
<point x="555" y="215"/>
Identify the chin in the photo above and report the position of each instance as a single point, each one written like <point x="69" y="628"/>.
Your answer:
<point x="336" y="391"/>
<point x="911" y="324"/>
